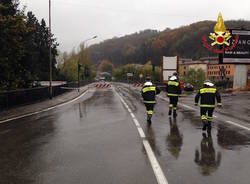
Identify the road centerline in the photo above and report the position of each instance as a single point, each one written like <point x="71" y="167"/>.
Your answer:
<point x="160" y="177"/>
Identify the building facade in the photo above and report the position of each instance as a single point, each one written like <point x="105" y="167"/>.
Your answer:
<point x="187" y="64"/>
<point x="216" y="72"/>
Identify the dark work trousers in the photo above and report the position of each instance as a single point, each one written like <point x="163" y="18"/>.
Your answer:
<point x="150" y="108"/>
<point x="207" y="113"/>
<point x="173" y="100"/>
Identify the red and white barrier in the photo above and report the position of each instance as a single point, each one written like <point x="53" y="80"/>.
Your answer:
<point x="137" y="85"/>
<point x="103" y="85"/>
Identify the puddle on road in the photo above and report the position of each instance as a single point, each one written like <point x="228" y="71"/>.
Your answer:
<point x="187" y="155"/>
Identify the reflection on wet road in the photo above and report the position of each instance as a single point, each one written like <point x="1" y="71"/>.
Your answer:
<point x="89" y="141"/>
<point x="185" y="154"/>
<point x="174" y="138"/>
<point x="206" y="158"/>
<point x="94" y="140"/>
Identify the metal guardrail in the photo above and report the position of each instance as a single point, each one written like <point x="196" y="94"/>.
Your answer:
<point x="9" y="99"/>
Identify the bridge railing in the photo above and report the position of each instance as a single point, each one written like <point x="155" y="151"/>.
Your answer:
<point x="9" y="99"/>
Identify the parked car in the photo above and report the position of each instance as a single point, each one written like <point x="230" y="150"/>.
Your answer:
<point x="36" y="84"/>
<point x="188" y="87"/>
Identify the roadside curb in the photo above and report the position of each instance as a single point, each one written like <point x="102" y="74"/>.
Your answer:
<point x="11" y="118"/>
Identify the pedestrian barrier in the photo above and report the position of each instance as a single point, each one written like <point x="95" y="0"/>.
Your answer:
<point x="105" y="85"/>
<point x="137" y="85"/>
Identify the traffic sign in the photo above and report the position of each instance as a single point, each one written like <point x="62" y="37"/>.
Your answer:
<point x="130" y="74"/>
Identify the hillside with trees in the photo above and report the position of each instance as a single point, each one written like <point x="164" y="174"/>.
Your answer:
<point x="141" y="47"/>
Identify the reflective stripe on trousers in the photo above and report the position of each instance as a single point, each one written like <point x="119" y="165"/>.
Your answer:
<point x="149" y="112"/>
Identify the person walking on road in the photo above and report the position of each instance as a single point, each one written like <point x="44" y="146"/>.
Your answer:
<point x="173" y="90"/>
<point x="207" y="96"/>
<point x="148" y="92"/>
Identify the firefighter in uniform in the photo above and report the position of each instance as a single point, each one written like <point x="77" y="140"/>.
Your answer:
<point x="148" y="92"/>
<point x="173" y="90"/>
<point x="208" y="94"/>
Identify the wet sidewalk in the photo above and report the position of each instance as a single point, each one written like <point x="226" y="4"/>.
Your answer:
<point x="41" y="105"/>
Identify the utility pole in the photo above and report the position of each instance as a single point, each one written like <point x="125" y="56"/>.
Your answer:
<point x="50" y="58"/>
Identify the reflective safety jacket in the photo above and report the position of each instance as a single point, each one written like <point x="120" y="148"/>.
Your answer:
<point x="208" y="95"/>
<point x="149" y="92"/>
<point x="173" y="88"/>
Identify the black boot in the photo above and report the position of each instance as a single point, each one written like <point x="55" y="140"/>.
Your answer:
<point x="204" y="125"/>
<point x="170" y="112"/>
<point x="174" y="114"/>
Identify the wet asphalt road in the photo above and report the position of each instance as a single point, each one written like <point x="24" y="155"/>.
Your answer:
<point x="94" y="140"/>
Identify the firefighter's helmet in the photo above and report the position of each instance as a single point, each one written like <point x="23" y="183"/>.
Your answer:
<point x="208" y="83"/>
<point x="172" y="78"/>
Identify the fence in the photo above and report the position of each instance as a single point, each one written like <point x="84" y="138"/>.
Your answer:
<point x="14" y="98"/>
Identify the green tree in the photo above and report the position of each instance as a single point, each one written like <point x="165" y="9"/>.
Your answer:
<point x="195" y="77"/>
<point x="12" y="33"/>
<point x="24" y="53"/>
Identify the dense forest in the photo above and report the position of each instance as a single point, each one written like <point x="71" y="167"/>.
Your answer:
<point x="25" y="42"/>
<point x="141" y="47"/>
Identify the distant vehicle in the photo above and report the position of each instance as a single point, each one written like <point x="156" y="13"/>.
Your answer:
<point x="188" y="87"/>
<point x="35" y="84"/>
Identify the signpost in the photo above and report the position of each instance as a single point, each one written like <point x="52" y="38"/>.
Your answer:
<point x="241" y="53"/>
<point x="129" y="74"/>
<point x="169" y="66"/>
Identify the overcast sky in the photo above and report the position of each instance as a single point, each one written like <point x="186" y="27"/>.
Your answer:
<point x="76" y="20"/>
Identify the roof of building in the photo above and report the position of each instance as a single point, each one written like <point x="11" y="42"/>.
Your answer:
<point x="204" y="60"/>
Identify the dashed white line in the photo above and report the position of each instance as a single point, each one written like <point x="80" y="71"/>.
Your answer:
<point x="141" y="132"/>
<point x="136" y="122"/>
<point x="132" y="114"/>
<point x="160" y="177"/>
<point x="44" y="110"/>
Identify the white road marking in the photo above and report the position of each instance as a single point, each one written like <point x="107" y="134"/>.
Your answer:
<point x="227" y="121"/>
<point x="160" y="177"/>
<point x="141" y="132"/>
<point x="132" y="114"/>
<point x="236" y="124"/>
<point x="136" y="122"/>
<point x="44" y="110"/>
<point x="188" y="107"/>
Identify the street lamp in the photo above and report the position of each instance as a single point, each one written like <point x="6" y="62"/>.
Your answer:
<point x="79" y="65"/>
<point x="50" y="58"/>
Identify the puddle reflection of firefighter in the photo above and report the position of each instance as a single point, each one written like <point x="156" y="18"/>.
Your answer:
<point x="152" y="140"/>
<point x="207" y="158"/>
<point x="148" y="92"/>
<point x="174" y="139"/>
